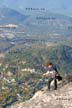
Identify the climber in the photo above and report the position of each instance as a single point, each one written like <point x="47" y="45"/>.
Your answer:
<point x="51" y="73"/>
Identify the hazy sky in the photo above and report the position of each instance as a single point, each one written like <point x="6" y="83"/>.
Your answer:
<point x="61" y="6"/>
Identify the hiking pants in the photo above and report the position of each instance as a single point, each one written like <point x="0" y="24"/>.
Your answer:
<point x="49" y="82"/>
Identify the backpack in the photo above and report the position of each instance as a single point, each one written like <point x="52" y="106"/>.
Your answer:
<point x="59" y="77"/>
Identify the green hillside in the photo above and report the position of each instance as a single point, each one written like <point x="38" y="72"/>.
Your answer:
<point x="38" y="56"/>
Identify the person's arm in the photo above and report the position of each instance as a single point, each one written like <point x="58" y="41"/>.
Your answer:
<point x="46" y="74"/>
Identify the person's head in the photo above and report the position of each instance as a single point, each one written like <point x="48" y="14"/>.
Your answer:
<point x="50" y="65"/>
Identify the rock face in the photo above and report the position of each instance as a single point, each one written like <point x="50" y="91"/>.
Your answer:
<point x="61" y="98"/>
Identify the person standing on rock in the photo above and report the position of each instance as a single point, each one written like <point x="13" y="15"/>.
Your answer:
<point x="51" y="73"/>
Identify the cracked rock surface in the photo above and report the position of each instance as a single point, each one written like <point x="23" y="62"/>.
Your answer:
<point x="61" y="98"/>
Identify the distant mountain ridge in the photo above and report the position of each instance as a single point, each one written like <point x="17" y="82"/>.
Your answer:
<point x="42" y="25"/>
<point x="59" y="6"/>
<point x="50" y="25"/>
<point x="8" y="16"/>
